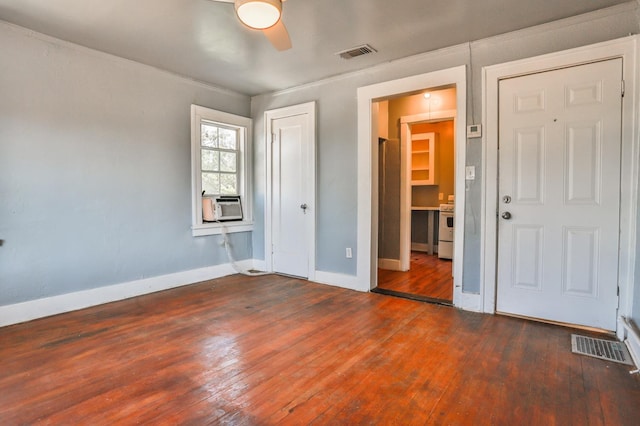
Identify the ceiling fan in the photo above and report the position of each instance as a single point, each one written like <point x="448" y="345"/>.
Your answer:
<point x="263" y="15"/>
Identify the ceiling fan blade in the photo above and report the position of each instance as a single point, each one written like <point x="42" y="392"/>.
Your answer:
<point x="278" y="36"/>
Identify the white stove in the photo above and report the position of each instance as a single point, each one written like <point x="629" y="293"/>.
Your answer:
<point x="449" y="208"/>
<point x="445" y="231"/>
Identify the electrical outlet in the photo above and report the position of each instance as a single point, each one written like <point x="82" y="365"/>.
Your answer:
<point x="349" y="254"/>
<point x="440" y="196"/>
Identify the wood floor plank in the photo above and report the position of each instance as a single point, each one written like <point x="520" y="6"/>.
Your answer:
<point x="428" y="276"/>
<point x="277" y="350"/>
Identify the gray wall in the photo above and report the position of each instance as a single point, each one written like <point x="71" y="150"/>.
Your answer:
<point x="95" y="169"/>
<point x="95" y="185"/>
<point x="337" y="135"/>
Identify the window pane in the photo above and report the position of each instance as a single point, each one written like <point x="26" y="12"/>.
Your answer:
<point x="211" y="183"/>
<point x="210" y="160"/>
<point x="227" y="161"/>
<point x="228" y="184"/>
<point x="228" y="138"/>
<point x="209" y="135"/>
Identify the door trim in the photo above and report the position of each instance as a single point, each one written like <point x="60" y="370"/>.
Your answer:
<point x="309" y="110"/>
<point x="367" y="254"/>
<point x="625" y="48"/>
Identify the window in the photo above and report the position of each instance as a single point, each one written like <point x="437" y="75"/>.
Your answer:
<point x="220" y="165"/>
<point x="219" y="151"/>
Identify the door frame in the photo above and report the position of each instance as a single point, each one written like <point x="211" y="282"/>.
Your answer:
<point x="309" y="110"/>
<point x="405" y="176"/>
<point x="625" y="48"/>
<point x="367" y="231"/>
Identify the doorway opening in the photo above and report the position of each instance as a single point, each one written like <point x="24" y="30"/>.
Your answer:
<point x="416" y="187"/>
<point x="368" y="142"/>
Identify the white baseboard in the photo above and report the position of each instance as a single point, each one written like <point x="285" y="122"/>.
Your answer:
<point x="260" y="265"/>
<point x="39" y="308"/>
<point x="420" y="247"/>
<point x="340" y="280"/>
<point x="467" y="301"/>
<point x="632" y="340"/>
<point x="423" y="247"/>
<point x="389" y="264"/>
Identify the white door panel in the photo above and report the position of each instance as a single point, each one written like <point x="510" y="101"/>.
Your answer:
<point x="290" y="240"/>
<point x="559" y="162"/>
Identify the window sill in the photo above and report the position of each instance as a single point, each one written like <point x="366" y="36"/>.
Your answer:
<point x="216" y="228"/>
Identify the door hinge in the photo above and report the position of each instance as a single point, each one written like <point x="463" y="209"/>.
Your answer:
<point x="618" y="292"/>
<point x="273" y="137"/>
<point x="623" y="88"/>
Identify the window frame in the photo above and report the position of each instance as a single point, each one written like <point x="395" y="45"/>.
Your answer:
<point x="243" y="125"/>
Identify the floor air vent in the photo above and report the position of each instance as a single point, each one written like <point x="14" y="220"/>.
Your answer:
<point x="356" y="51"/>
<point x="598" y="348"/>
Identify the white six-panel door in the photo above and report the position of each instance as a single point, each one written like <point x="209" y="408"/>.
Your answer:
<point x="559" y="194"/>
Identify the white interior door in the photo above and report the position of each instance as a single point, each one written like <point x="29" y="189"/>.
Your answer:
<point x="292" y="203"/>
<point x="559" y="181"/>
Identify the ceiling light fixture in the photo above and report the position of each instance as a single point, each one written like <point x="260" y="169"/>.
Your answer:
<point x="427" y="95"/>
<point x="259" y="14"/>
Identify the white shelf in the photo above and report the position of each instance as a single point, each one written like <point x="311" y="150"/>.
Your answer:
<point x="422" y="182"/>
<point x="423" y="172"/>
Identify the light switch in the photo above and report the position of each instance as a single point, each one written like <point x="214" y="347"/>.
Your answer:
<point x="440" y="196"/>
<point x="470" y="172"/>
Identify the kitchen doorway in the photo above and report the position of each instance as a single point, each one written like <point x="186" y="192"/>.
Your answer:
<point x="369" y="98"/>
<point x="416" y="185"/>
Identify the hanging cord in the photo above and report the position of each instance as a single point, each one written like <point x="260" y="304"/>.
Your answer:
<point x="227" y="246"/>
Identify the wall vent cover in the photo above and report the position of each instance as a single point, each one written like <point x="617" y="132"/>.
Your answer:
<point x="365" y="49"/>
<point x="598" y="348"/>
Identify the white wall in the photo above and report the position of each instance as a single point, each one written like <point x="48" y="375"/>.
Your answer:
<point x="337" y="137"/>
<point x="95" y="169"/>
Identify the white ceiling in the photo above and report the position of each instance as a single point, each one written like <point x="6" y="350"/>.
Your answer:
<point x="203" y="40"/>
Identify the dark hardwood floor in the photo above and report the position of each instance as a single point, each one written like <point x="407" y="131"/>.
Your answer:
<point x="276" y="350"/>
<point x="428" y="276"/>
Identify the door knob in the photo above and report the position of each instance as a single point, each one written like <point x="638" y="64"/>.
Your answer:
<point x="506" y="215"/>
<point x="304" y="208"/>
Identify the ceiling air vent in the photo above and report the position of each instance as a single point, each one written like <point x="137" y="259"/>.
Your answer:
<point x="365" y="49"/>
